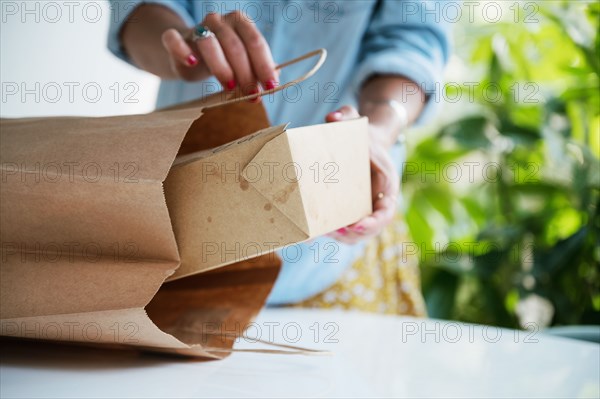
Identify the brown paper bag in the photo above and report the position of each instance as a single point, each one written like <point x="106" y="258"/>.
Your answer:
<point x="99" y="214"/>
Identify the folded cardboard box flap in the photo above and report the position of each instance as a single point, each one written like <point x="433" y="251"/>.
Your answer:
<point x="316" y="176"/>
<point x="269" y="189"/>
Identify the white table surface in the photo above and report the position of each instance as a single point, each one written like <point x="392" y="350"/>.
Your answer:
<point x="373" y="356"/>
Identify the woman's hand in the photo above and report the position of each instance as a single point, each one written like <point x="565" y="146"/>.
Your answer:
<point x="237" y="54"/>
<point x="385" y="183"/>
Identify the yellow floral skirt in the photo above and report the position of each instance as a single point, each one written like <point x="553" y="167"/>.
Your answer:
<point x="383" y="280"/>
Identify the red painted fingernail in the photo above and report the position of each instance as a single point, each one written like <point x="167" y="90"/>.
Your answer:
<point x="342" y="231"/>
<point x="192" y="60"/>
<point x="254" y="100"/>
<point x="270" y="84"/>
<point x="337" y="115"/>
<point x="231" y="84"/>
<point x="359" y="228"/>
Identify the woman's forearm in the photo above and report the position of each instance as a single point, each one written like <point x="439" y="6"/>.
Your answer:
<point x="377" y="99"/>
<point x="141" y="38"/>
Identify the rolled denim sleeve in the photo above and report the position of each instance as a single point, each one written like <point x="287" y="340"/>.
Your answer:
<point x="122" y="9"/>
<point x="408" y="38"/>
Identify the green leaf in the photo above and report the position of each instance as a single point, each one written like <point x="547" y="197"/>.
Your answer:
<point x="560" y="256"/>
<point x="487" y="265"/>
<point x="440" y="294"/>
<point x="439" y="200"/>
<point x="468" y="132"/>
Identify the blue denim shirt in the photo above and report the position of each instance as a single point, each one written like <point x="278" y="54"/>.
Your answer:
<point x="362" y="38"/>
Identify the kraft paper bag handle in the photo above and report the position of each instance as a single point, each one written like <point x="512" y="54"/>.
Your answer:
<point x="322" y="53"/>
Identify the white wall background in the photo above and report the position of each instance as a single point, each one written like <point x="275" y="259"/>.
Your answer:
<point x="54" y="61"/>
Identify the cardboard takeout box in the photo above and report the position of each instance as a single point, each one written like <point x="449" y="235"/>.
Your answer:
<point x="100" y="215"/>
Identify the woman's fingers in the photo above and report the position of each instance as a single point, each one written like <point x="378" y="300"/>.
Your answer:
<point x="257" y="49"/>
<point x="179" y="51"/>
<point x="184" y="60"/>
<point x="237" y="53"/>
<point x="383" y="213"/>
<point x="344" y="113"/>
<point x="216" y="62"/>
<point x="369" y="226"/>
<point x="344" y="236"/>
<point x="245" y="49"/>
<point x="384" y="209"/>
<point x="384" y="189"/>
<point x="213" y="55"/>
<point x="233" y="50"/>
